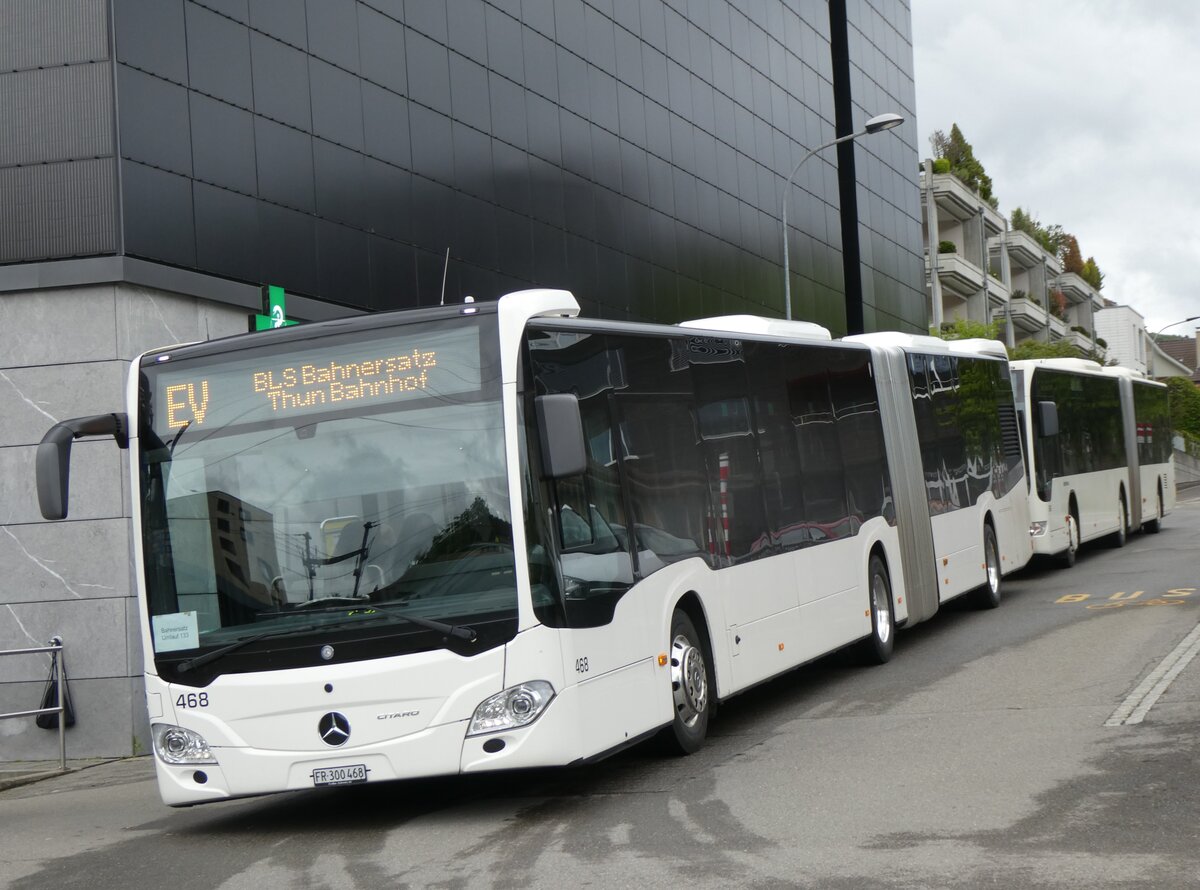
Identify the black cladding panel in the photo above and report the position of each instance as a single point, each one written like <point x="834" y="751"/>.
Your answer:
<point x="634" y="153"/>
<point x="159" y="220"/>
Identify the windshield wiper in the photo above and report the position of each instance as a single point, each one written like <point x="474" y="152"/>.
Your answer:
<point x="450" y="630"/>
<point x="208" y="657"/>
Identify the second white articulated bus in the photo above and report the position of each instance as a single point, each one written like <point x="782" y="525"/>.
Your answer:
<point x="1099" y="451"/>
<point x="497" y="536"/>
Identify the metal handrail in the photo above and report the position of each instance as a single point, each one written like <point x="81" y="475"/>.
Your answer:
<point x="55" y="648"/>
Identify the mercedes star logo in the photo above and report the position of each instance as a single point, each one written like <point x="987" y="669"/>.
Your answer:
<point x="334" y="729"/>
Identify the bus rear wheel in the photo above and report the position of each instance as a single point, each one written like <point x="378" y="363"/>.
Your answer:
<point x="1067" y="558"/>
<point x="1122" y="533"/>
<point x="691" y="687"/>
<point x="1154" y="525"/>
<point x="878" y="648"/>
<point x="988" y="596"/>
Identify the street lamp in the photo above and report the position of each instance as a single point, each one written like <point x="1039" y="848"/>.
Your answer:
<point x="875" y="125"/>
<point x="1154" y="342"/>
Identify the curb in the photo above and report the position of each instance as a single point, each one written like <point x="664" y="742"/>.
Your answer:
<point x="30" y="778"/>
<point x="15" y="778"/>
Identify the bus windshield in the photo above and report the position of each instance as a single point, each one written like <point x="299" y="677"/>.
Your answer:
<point x="313" y="485"/>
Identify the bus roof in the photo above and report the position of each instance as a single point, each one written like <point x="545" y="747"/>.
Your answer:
<point x="1078" y="365"/>
<point x="757" y="324"/>
<point x="927" y="344"/>
<point x="1086" y="366"/>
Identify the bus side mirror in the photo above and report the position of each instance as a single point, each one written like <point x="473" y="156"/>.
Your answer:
<point x="1047" y="419"/>
<point x="53" y="459"/>
<point x="560" y="428"/>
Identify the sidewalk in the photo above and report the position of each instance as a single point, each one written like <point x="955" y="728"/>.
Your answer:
<point x="22" y="772"/>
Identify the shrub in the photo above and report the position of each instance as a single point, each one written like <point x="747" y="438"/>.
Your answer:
<point x="947" y="247"/>
<point x="962" y="329"/>
<point x="1185" y="405"/>
<point x="1040" y="349"/>
<point x="941" y="165"/>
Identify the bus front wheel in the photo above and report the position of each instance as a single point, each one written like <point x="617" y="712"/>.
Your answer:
<point x="691" y="687"/>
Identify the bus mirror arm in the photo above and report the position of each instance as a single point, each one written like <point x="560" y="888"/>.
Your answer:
<point x="1047" y="419"/>
<point x="53" y="459"/>
<point x="560" y="428"/>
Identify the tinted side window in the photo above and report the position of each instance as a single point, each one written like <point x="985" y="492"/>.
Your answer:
<point x="860" y="435"/>
<point x="982" y="395"/>
<point x="660" y="454"/>
<point x="778" y="446"/>
<point x="728" y="440"/>
<point x="823" y="475"/>
<point x="1152" y="412"/>
<point x="938" y="409"/>
<point x="1090" y="432"/>
<point x="588" y="511"/>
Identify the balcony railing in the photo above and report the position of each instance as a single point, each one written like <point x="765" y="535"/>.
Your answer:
<point x="1027" y="315"/>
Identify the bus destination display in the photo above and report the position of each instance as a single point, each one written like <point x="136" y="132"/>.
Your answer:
<point x="417" y="363"/>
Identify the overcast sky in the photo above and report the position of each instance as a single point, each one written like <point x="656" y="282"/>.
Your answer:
<point x="1085" y="113"/>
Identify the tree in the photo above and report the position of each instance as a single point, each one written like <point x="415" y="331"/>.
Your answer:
<point x="1072" y="259"/>
<point x="963" y="163"/>
<point x="1051" y="238"/>
<point x="1185" y="405"/>
<point x="1091" y="273"/>
<point x="939" y="142"/>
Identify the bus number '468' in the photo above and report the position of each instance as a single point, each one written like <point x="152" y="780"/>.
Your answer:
<point x="192" y="700"/>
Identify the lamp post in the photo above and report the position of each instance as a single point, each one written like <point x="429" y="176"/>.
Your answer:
<point x="875" y="125"/>
<point x="1154" y="342"/>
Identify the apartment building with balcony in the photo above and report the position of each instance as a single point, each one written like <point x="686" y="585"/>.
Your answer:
<point x="958" y="228"/>
<point x="1082" y="303"/>
<point x="1030" y="272"/>
<point x="980" y="269"/>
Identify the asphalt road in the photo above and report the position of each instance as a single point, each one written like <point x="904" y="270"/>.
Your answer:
<point x="980" y="756"/>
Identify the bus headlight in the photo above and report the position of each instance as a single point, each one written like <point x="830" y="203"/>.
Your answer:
<point x="1037" y="529"/>
<point x="513" y="708"/>
<point x="176" y="745"/>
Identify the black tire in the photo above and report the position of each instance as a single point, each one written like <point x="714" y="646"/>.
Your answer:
<point x="988" y="596"/>
<point x="878" y="647"/>
<point x="1066" y="559"/>
<point x="1154" y="526"/>
<point x="1121" y="535"/>
<point x="692" y="687"/>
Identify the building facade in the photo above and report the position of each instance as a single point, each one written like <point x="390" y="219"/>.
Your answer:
<point x="175" y="156"/>
<point x="980" y="269"/>
<point x="1132" y="346"/>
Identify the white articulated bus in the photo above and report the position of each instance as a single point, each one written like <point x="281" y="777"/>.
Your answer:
<point x="496" y="536"/>
<point x="966" y="424"/>
<point x="1099" y="452"/>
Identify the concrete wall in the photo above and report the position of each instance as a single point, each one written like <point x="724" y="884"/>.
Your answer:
<point x="1187" y="467"/>
<point x="66" y="353"/>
